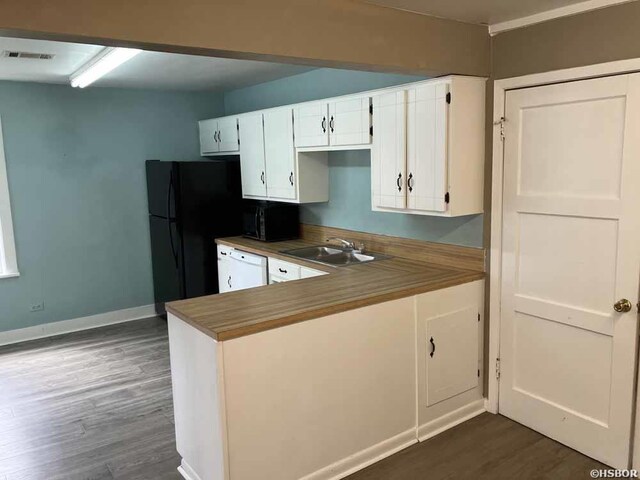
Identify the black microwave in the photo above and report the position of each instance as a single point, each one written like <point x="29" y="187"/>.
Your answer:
<point x="270" y="221"/>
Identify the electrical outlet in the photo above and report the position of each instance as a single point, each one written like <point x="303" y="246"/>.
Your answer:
<point x="36" y="307"/>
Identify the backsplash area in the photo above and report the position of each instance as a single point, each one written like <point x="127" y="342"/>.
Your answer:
<point x="350" y="207"/>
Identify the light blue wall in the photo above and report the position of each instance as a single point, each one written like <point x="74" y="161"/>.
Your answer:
<point x="75" y="161"/>
<point x="313" y="85"/>
<point x="350" y="172"/>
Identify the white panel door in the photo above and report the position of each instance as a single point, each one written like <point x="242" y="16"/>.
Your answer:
<point x="311" y="125"/>
<point x="426" y="147"/>
<point x="228" y="134"/>
<point x="279" y="153"/>
<point x="252" y="162"/>
<point x="350" y="122"/>
<point x="388" y="153"/>
<point x="571" y="251"/>
<point x="208" y="136"/>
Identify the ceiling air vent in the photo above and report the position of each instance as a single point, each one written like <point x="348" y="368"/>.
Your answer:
<point x="29" y="55"/>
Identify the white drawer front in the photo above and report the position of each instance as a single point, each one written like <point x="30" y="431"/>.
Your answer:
<point x="284" y="271"/>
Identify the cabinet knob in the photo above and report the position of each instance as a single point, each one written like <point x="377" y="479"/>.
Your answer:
<point x="229" y="281"/>
<point x="215" y="137"/>
<point x="324" y="124"/>
<point x="262" y="178"/>
<point x="398" y="180"/>
<point x="622" y="306"/>
<point x="410" y="182"/>
<point x="282" y="270"/>
<point x="291" y="179"/>
<point x="219" y="138"/>
<point x="433" y="347"/>
<point x="331" y="123"/>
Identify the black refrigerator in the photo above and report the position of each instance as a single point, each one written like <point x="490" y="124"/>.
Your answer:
<point x="190" y="204"/>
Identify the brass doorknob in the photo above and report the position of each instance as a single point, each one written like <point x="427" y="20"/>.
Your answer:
<point x="622" y="306"/>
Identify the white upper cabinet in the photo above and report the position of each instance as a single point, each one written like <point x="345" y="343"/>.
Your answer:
<point x="219" y="135"/>
<point x="388" y="169"/>
<point x="350" y="122"/>
<point x="342" y="122"/>
<point x="441" y="170"/>
<point x="311" y="122"/>
<point x="279" y="154"/>
<point x="252" y="160"/>
<point x="426" y="147"/>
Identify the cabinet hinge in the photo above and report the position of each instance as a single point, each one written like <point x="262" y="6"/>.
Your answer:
<point x="497" y="369"/>
<point x="478" y="317"/>
<point x="478" y="373"/>
<point x="500" y="123"/>
<point x="448" y="97"/>
<point x="371" y="109"/>
<point x="371" y="130"/>
<point x="446" y="197"/>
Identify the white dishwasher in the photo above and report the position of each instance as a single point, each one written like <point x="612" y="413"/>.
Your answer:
<point x="246" y="270"/>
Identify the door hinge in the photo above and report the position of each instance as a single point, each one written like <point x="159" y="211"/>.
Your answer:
<point x="501" y="124"/>
<point x="446" y="197"/>
<point x="371" y="130"/>
<point x="497" y="369"/>
<point x="448" y="97"/>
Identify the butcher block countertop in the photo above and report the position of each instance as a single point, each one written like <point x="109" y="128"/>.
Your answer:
<point x="245" y="312"/>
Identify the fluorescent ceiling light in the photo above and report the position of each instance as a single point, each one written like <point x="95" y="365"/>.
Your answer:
<point x="101" y="64"/>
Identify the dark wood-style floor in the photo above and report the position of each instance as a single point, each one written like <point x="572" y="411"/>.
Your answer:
<point x="97" y="405"/>
<point x="89" y="405"/>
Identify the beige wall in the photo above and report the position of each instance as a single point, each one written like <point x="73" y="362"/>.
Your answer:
<point x="343" y="33"/>
<point x="598" y="36"/>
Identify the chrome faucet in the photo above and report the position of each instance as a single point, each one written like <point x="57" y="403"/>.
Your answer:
<point x="348" y="244"/>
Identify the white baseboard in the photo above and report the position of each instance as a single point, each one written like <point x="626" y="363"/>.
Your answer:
<point x="187" y="472"/>
<point x="364" y="458"/>
<point x="450" y="420"/>
<point x="76" y="324"/>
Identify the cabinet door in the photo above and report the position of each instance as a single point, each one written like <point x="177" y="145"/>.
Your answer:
<point x="426" y="147"/>
<point x="388" y="153"/>
<point x="228" y="134"/>
<point x="350" y="122"/>
<point x="224" y="272"/>
<point x="452" y="361"/>
<point x="252" y="162"/>
<point x="311" y="123"/>
<point x="279" y="154"/>
<point x="208" y="136"/>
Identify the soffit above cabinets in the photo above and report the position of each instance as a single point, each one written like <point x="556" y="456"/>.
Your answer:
<point x="149" y="70"/>
<point x="490" y="12"/>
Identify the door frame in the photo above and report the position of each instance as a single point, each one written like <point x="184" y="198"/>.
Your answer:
<point x="500" y="89"/>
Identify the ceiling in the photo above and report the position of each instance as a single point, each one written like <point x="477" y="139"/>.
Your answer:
<point x="487" y="12"/>
<point x="151" y="70"/>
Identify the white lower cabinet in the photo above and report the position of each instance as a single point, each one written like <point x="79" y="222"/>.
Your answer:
<point x="449" y="348"/>
<point x="281" y="271"/>
<point x="347" y="381"/>
<point x="224" y="268"/>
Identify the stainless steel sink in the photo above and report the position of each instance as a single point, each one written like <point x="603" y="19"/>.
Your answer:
<point x="332" y="255"/>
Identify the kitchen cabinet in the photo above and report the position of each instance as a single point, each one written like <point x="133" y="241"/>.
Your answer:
<point x="224" y="270"/>
<point x="252" y="159"/>
<point x="219" y="135"/>
<point x="449" y="348"/>
<point x="271" y="169"/>
<point x="428" y="148"/>
<point x="279" y="154"/>
<point x="340" y="122"/>
<point x="282" y="271"/>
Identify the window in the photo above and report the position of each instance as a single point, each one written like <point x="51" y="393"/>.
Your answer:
<point x="8" y="261"/>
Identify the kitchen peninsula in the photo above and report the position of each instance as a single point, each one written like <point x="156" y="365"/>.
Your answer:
<point x="319" y="377"/>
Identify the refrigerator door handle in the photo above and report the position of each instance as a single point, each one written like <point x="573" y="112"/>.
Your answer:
<point x="173" y="247"/>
